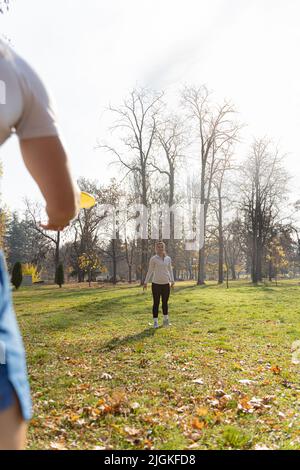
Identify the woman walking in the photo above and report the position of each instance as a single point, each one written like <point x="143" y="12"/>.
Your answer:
<point x="160" y="266"/>
<point x="26" y="110"/>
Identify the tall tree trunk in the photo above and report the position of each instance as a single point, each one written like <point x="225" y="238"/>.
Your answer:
<point x="221" y="241"/>
<point x="254" y="272"/>
<point x="57" y="247"/>
<point x="270" y="271"/>
<point x="144" y="260"/>
<point x="130" y="273"/>
<point x="259" y="259"/>
<point x="233" y="273"/>
<point x="172" y="227"/>
<point x="129" y="259"/>
<point x="227" y="268"/>
<point x="254" y="259"/>
<point x="144" y="254"/>
<point x="201" y="266"/>
<point x="114" y="262"/>
<point x="259" y="246"/>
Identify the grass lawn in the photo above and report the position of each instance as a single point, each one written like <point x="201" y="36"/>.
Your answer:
<point x="101" y="377"/>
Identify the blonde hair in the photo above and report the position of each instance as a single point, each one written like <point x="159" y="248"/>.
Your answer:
<point x="163" y="244"/>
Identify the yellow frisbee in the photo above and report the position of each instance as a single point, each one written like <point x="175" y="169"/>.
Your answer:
<point x="86" y="200"/>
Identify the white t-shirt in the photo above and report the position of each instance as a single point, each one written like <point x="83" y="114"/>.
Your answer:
<point x="25" y="105"/>
<point x="161" y="269"/>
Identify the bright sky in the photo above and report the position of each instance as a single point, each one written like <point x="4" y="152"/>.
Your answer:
<point x="93" y="52"/>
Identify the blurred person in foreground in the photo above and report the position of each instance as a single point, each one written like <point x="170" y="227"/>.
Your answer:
<point x="26" y="110"/>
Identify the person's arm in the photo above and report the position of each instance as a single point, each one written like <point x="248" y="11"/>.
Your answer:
<point x="35" y="124"/>
<point x="150" y="272"/>
<point x="47" y="162"/>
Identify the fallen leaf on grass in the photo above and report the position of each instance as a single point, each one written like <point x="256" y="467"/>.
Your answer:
<point x="220" y="351"/>
<point x="135" y="406"/>
<point x="219" y="393"/>
<point x="193" y="446"/>
<point x="261" y="447"/>
<point x="106" y="376"/>
<point x="245" y="406"/>
<point x="75" y="418"/>
<point x="197" y="424"/>
<point x="218" y="416"/>
<point x="195" y="436"/>
<point x="249" y="406"/>
<point x="213" y="402"/>
<point x="106" y="409"/>
<point x="131" y="431"/>
<point x="288" y="384"/>
<point x="202" y="412"/>
<point x="276" y="370"/>
<point x="198" y="381"/>
<point x="247" y="382"/>
<point x="237" y="366"/>
<point x="84" y="387"/>
<point x="182" y="409"/>
<point x="57" y="446"/>
<point x="148" y="444"/>
<point x="265" y="382"/>
<point x="100" y="402"/>
<point x="256" y="403"/>
<point x="34" y="422"/>
<point x="268" y="398"/>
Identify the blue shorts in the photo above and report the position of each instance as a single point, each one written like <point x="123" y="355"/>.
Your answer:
<point x="13" y="373"/>
<point x="6" y="389"/>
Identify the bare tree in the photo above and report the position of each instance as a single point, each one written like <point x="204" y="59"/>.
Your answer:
<point x="4" y="5"/>
<point x="136" y="121"/>
<point x="33" y="217"/>
<point x="129" y="256"/>
<point x="223" y="165"/>
<point x="86" y="228"/>
<point x="171" y="139"/>
<point x="263" y="188"/>
<point x="234" y="246"/>
<point x="214" y="129"/>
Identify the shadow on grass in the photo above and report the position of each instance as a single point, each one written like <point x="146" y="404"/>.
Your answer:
<point x="183" y="288"/>
<point x="91" y="312"/>
<point x="42" y="294"/>
<point x="116" y="342"/>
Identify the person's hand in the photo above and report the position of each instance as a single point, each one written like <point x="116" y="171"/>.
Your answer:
<point x="57" y="221"/>
<point x="145" y="286"/>
<point x="172" y="285"/>
<point x="54" y="226"/>
<point x="52" y="174"/>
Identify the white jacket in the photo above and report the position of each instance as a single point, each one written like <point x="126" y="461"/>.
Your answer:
<point x="161" y="269"/>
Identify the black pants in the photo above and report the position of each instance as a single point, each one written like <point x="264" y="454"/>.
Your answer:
<point x="163" y="291"/>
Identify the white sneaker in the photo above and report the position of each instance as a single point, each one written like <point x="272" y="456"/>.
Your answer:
<point x="156" y="325"/>
<point x="166" y="322"/>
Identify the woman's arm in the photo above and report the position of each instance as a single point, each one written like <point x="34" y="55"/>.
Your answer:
<point x="47" y="162"/>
